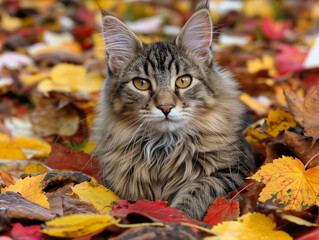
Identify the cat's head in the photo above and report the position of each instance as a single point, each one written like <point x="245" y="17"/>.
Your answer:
<point x="166" y="86"/>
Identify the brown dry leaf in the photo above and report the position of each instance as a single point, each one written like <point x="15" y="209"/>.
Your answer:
<point x="76" y="206"/>
<point x="278" y="121"/>
<point x="302" y="148"/>
<point x="294" y="103"/>
<point x="176" y="232"/>
<point x="289" y="184"/>
<point x="311" y="114"/>
<point x="48" y="119"/>
<point x="17" y="207"/>
<point x="31" y="189"/>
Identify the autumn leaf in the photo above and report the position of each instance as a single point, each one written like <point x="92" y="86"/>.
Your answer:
<point x="33" y="147"/>
<point x="274" y="30"/>
<point x="221" y="210"/>
<point x="96" y="194"/>
<point x="311" y="114"/>
<point x="278" y="121"/>
<point x="249" y="226"/>
<point x="31" y="189"/>
<point x="78" y="225"/>
<point x="7" y="179"/>
<point x="155" y="210"/>
<point x="290" y="59"/>
<point x="253" y="104"/>
<point x="19" y="231"/>
<point x="9" y="152"/>
<point x="289" y="184"/>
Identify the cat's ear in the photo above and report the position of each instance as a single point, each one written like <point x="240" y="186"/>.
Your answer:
<point x="197" y="34"/>
<point x="120" y="42"/>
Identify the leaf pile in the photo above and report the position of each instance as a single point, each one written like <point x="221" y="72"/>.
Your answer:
<point x="52" y="66"/>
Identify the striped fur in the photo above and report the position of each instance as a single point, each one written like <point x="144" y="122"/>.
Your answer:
<point x="193" y="155"/>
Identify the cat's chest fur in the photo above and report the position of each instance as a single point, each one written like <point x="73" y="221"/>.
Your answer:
<point x="157" y="168"/>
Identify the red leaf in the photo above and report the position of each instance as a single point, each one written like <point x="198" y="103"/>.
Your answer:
<point x="312" y="235"/>
<point x="63" y="158"/>
<point x="155" y="210"/>
<point x="26" y="233"/>
<point x="274" y="30"/>
<point x="290" y="59"/>
<point x="221" y="210"/>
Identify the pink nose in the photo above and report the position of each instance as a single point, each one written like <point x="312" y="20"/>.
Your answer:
<point x="166" y="108"/>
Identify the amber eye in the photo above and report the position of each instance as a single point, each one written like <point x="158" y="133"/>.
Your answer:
<point x="183" y="81"/>
<point x="141" y="84"/>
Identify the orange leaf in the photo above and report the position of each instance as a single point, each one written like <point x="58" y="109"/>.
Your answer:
<point x="30" y="188"/>
<point x="221" y="210"/>
<point x="289" y="184"/>
<point x="7" y="178"/>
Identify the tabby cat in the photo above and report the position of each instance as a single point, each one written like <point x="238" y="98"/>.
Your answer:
<point x="169" y="119"/>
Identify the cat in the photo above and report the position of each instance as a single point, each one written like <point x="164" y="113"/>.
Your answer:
<point x="169" y="118"/>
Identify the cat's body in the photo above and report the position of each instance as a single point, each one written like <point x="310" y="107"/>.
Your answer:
<point x="169" y="119"/>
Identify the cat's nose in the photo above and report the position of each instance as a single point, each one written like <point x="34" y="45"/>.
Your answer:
<point x="166" y="108"/>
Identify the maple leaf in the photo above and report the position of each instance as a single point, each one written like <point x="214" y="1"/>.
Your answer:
<point x="289" y="184"/>
<point x="274" y="30"/>
<point x="154" y="210"/>
<point x="221" y="210"/>
<point x="30" y="188"/>
<point x="19" y="231"/>
<point x="249" y="226"/>
<point x="290" y="59"/>
<point x="278" y="121"/>
<point x="96" y="194"/>
<point x="78" y="225"/>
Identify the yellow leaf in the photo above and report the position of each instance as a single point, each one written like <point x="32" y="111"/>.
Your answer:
<point x="278" y="121"/>
<point x="78" y="225"/>
<point x="29" y="79"/>
<point x="264" y="63"/>
<point x="253" y="104"/>
<point x="296" y="220"/>
<point x="34" y="168"/>
<point x="4" y="138"/>
<point x="250" y="226"/>
<point x="9" y="152"/>
<point x="31" y="189"/>
<point x="42" y="148"/>
<point x="69" y="75"/>
<point x="258" y="8"/>
<point x="96" y="194"/>
<point x="89" y="147"/>
<point x="288" y="184"/>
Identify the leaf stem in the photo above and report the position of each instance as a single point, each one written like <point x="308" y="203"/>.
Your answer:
<point x="311" y="159"/>
<point x="197" y="227"/>
<point x="241" y="191"/>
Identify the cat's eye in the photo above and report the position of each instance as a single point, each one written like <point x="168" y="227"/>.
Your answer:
<point x="141" y="84"/>
<point x="183" y="81"/>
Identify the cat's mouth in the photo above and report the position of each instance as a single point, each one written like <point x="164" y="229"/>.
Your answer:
<point x="168" y="124"/>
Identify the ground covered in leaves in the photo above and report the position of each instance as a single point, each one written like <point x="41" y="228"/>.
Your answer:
<point x="52" y="66"/>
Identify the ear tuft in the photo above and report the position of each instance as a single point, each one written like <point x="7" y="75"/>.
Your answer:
<point x="203" y="5"/>
<point x="197" y="35"/>
<point x="120" y="42"/>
